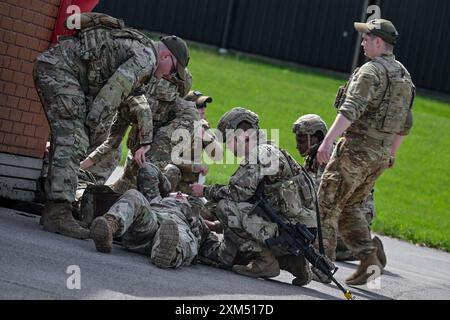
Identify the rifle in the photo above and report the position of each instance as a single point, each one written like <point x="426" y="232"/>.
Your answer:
<point x="298" y="241"/>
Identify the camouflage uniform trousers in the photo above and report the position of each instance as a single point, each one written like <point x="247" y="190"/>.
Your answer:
<point x="64" y="104"/>
<point x="139" y="222"/>
<point x="128" y="179"/>
<point x="368" y="210"/>
<point x="349" y="177"/>
<point x="151" y="182"/>
<point x="181" y="182"/>
<point x="244" y="231"/>
<point x="139" y="228"/>
<point x="103" y="169"/>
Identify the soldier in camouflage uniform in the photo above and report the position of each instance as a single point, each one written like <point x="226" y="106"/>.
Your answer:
<point x="310" y="130"/>
<point x="169" y="229"/>
<point x="135" y="111"/>
<point x="375" y="114"/>
<point x="81" y="81"/>
<point x="264" y="166"/>
<point x="193" y="168"/>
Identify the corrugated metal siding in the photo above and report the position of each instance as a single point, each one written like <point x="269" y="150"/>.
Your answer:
<point x="424" y="43"/>
<point x="310" y="32"/>
<point x="198" y="20"/>
<point x="317" y="33"/>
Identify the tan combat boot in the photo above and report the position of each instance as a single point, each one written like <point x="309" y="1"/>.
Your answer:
<point x="102" y="231"/>
<point x="168" y="241"/>
<point x="346" y="255"/>
<point x="380" y="251"/>
<point x="298" y="267"/>
<point x="361" y="275"/>
<point x="49" y="216"/>
<point x="265" y="265"/>
<point x="57" y="217"/>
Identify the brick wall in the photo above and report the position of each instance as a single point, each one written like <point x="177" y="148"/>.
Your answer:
<point x="26" y="28"/>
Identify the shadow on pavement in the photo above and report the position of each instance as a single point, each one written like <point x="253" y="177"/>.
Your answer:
<point x="34" y="265"/>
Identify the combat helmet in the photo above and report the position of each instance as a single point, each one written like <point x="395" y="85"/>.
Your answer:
<point x="309" y="124"/>
<point x="232" y="118"/>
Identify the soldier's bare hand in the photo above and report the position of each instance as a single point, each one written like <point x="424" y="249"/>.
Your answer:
<point x="47" y="149"/>
<point x="324" y="153"/>
<point x="139" y="155"/>
<point x="214" y="225"/>
<point x="197" y="189"/>
<point x="86" y="163"/>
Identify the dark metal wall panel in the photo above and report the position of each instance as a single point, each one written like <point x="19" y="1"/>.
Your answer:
<point x="424" y="43"/>
<point x="317" y="33"/>
<point x="198" y="20"/>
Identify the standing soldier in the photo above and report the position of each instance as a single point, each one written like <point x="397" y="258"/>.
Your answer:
<point x="375" y="114"/>
<point x="310" y="130"/>
<point x="81" y="81"/>
<point x="265" y="167"/>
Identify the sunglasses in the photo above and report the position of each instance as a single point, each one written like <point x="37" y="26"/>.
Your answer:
<point x="174" y="67"/>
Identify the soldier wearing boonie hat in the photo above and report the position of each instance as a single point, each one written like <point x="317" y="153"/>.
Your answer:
<point x="190" y="173"/>
<point x="374" y="115"/>
<point x="381" y="28"/>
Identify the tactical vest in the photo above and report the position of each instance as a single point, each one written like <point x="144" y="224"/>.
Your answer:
<point x="97" y="32"/>
<point x="341" y="94"/>
<point x="397" y="100"/>
<point x="388" y="118"/>
<point x="296" y="194"/>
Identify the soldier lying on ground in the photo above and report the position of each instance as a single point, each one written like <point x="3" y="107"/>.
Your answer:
<point x="168" y="229"/>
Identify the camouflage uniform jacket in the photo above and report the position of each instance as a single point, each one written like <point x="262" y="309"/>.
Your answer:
<point x="160" y="152"/>
<point x="162" y="99"/>
<point x="135" y="111"/>
<point x="182" y="209"/>
<point x="109" y="64"/>
<point x="191" y="169"/>
<point x="367" y="100"/>
<point x="138" y="111"/>
<point x="245" y="181"/>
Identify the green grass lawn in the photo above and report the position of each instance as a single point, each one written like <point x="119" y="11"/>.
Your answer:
<point x="412" y="199"/>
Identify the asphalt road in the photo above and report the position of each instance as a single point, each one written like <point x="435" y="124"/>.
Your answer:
<point x="34" y="265"/>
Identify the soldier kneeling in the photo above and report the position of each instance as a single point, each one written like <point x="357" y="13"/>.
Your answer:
<point x="265" y="166"/>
